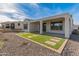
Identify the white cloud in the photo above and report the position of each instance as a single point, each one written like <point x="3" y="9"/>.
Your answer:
<point x="13" y="9"/>
<point x="5" y="18"/>
<point x="7" y="8"/>
<point x="34" y="5"/>
<point x="75" y="13"/>
<point x="19" y="14"/>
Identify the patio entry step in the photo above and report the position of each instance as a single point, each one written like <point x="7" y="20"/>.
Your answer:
<point x="50" y="43"/>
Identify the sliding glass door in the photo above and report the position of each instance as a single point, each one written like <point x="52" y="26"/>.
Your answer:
<point x="56" y="25"/>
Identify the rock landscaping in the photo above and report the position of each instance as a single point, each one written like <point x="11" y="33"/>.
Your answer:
<point x="16" y="46"/>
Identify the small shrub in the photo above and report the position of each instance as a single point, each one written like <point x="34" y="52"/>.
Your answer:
<point x="24" y="43"/>
<point x="5" y="39"/>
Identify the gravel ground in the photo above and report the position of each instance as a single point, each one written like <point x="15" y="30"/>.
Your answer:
<point x="13" y="47"/>
<point x="72" y="47"/>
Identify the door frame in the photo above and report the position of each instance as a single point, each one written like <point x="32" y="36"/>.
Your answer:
<point x="12" y="25"/>
<point x="44" y="27"/>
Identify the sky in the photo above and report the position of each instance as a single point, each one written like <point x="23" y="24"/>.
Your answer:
<point x="20" y="11"/>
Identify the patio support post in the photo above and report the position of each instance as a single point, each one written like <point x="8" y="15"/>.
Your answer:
<point x="4" y="26"/>
<point x="41" y="27"/>
<point x="67" y="31"/>
<point x="71" y="24"/>
<point x="28" y="26"/>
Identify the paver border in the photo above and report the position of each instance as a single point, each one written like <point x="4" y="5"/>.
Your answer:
<point x="56" y="50"/>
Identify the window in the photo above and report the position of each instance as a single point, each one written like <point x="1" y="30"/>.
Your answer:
<point x="18" y="24"/>
<point x="56" y="25"/>
<point x="7" y="25"/>
<point x="25" y="26"/>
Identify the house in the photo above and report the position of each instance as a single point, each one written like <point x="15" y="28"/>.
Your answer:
<point x="76" y="27"/>
<point x="62" y="24"/>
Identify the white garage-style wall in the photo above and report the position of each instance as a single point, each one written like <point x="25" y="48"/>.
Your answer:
<point x="34" y="26"/>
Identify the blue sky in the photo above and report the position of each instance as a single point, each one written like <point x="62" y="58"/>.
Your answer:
<point x="40" y="10"/>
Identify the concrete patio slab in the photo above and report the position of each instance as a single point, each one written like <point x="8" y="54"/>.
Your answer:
<point x="55" y="40"/>
<point x="35" y="35"/>
<point x="50" y="43"/>
<point x="29" y="36"/>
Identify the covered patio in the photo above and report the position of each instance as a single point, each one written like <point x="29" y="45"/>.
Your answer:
<point x="59" y="25"/>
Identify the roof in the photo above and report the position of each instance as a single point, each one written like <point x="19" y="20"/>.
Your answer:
<point x="52" y="17"/>
<point x="11" y="21"/>
<point x="45" y="18"/>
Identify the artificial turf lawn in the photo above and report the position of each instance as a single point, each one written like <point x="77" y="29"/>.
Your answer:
<point x="41" y="39"/>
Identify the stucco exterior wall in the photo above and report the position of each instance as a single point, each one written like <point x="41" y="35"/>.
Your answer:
<point x="4" y="24"/>
<point x="19" y="26"/>
<point x="68" y="26"/>
<point x="34" y="26"/>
